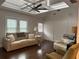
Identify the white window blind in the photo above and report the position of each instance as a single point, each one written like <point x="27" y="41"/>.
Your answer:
<point x="40" y="27"/>
<point x="11" y="25"/>
<point x="23" y="26"/>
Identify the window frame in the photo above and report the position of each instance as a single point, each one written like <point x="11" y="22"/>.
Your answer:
<point x="17" y="26"/>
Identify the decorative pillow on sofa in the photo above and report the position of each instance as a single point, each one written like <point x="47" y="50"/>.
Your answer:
<point x="31" y="36"/>
<point x="21" y="36"/>
<point x="11" y="37"/>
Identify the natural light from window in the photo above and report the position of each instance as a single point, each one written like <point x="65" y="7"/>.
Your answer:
<point x="23" y="26"/>
<point x="11" y="25"/>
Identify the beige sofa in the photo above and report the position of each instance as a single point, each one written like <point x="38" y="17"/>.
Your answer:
<point x="70" y="54"/>
<point x="11" y="43"/>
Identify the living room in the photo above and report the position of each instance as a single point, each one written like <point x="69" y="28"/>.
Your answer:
<point x="39" y="29"/>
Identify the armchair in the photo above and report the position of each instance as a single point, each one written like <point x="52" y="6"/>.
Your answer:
<point x="63" y="45"/>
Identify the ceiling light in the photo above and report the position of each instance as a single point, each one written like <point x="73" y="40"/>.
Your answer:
<point x="60" y="5"/>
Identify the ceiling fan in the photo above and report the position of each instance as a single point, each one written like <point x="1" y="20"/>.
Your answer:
<point x="36" y="6"/>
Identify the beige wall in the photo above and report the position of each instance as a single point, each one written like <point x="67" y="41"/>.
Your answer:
<point x="4" y="14"/>
<point x="61" y="23"/>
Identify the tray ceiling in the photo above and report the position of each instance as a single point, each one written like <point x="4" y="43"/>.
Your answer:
<point x="19" y="4"/>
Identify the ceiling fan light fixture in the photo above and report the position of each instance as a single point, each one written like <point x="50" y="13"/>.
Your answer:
<point x="60" y="5"/>
<point x="42" y="11"/>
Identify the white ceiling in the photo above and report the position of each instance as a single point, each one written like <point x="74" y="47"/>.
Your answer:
<point x="18" y="4"/>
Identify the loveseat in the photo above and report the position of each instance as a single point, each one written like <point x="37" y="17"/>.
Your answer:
<point x="13" y="41"/>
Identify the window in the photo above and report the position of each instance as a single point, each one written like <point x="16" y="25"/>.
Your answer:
<point x="23" y="26"/>
<point x="11" y="25"/>
<point x="14" y="25"/>
<point x="40" y="27"/>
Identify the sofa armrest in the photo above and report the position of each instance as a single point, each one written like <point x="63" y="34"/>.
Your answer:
<point x="6" y="43"/>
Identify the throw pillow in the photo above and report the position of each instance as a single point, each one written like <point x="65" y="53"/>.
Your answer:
<point x="11" y="37"/>
<point x="31" y="36"/>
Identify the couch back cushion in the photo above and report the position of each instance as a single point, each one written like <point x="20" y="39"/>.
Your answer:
<point x="72" y="52"/>
<point x="21" y="36"/>
<point x="18" y="36"/>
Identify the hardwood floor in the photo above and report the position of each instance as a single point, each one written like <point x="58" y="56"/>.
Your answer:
<point x="32" y="52"/>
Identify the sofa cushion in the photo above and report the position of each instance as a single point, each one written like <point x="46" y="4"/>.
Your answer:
<point x="11" y="37"/>
<point x="23" y="41"/>
<point x="31" y="36"/>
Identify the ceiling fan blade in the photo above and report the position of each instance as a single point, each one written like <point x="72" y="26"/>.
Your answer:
<point x="37" y="6"/>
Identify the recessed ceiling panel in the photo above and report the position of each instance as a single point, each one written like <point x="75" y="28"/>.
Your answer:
<point x="16" y="2"/>
<point x="60" y="5"/>
<point x="9" y="5"/>
<point x="24" y="6"/>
